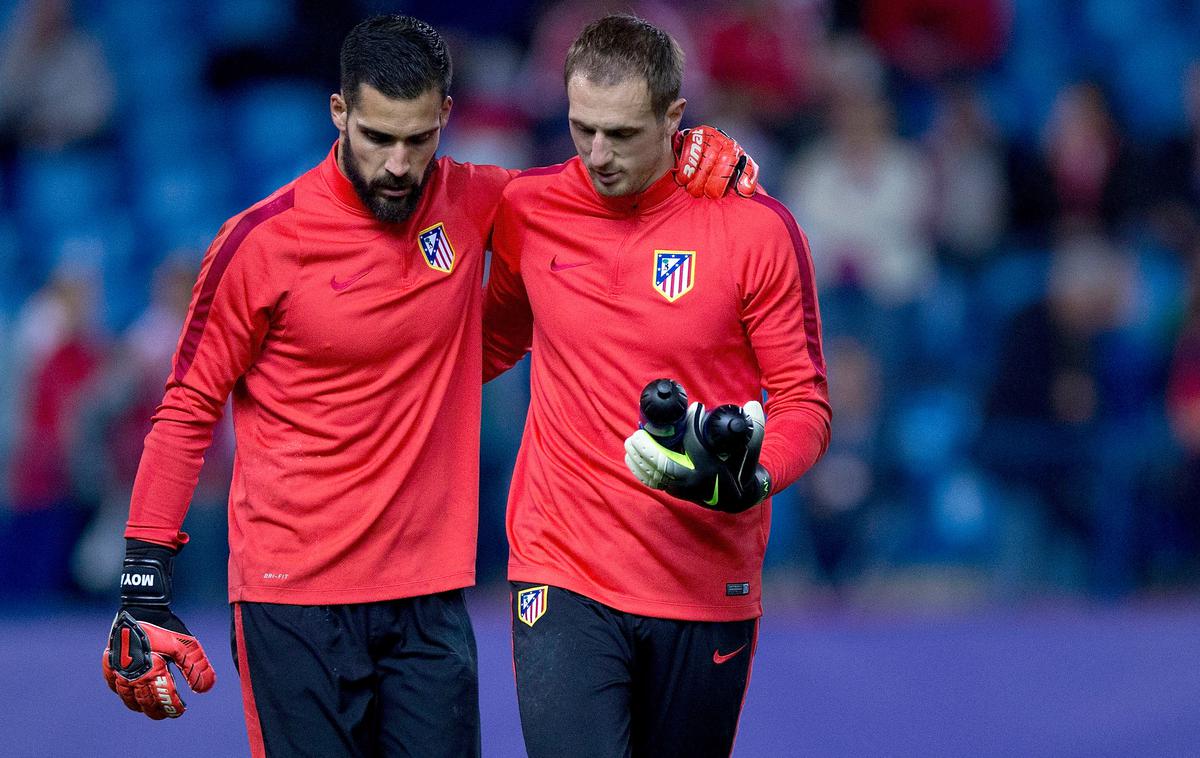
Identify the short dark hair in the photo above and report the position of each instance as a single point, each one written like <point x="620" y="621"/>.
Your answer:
<point x="400" y="56"/>
<point x="620" y="47"/>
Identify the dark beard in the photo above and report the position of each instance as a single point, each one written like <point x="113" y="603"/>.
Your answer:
<point x="383" y="208"/>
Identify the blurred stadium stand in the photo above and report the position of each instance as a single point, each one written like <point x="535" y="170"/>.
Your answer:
<point x="1003" y="198"/>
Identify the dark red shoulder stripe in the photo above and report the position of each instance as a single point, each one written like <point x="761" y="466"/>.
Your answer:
<point x="808" y="288"/>
<point x="543" y="170"/>
<point x="195" y="327"/>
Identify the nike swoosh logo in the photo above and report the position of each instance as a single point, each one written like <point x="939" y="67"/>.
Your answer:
<point x="126" y="658"/>
<point x="715" y="496"/>
<point x="719" y="659"/>
<point x="556" y="266"/>
<point x="339" y="286"/>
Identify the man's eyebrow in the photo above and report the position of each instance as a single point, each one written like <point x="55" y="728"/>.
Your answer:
<point x="607" y="129"/>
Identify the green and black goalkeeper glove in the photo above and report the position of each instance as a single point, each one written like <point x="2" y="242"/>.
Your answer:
<point x="717" y="467"/>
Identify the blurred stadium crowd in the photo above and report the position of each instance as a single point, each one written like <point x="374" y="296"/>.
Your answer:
<point x="1002" y="198"/>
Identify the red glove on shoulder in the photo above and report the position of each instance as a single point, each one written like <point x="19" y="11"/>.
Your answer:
<point x="710" y="163"/>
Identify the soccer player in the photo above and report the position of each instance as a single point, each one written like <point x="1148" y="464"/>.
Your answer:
<point x="635" y="612"/>
<point x="343" y="314"/>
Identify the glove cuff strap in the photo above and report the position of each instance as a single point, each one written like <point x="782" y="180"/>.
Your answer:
<point x="146" y="576"/>
<point x="762" y="483"/>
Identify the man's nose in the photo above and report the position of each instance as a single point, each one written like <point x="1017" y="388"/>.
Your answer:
<point x="398" y="162"/>
<point x="601" y="152"/>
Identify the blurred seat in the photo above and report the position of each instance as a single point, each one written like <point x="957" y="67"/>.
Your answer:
<point x="282" y="130"/>
<point x="1146" y="80"/>
<point x="15" y="285"/>
<point x="196" y="190"/>
<point x="233" y="23"/>
<point x="53" y="189"/>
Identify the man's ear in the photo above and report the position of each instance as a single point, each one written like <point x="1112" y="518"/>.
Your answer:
<point x="339" y="112"/>
<point x="675" y="115"/>
<point x="444" y="116"/>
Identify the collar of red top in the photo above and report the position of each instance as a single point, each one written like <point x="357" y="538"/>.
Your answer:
<point x="344" y="191"/>
<point x="339" y="185"/>
<point x="640" y="202"/>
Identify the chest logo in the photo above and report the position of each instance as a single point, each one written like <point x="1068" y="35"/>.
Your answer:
<point x="531" y="604"/>
<point x="674" y="272"/>
<point x="436" y="248"/>
<point x="345" y="283"/>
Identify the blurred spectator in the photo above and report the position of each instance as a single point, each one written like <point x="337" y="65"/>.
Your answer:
<point x="863" y="195"/>
<point x="47" y="516"/>
<point x="1086" y="172"/>
<point x="1177" y="167"/>
<point x="971" y="192"/>
<point x="1046" y="411"/>
<point x="845" y="482"/>
<point x="757" y="57"/>
<point x="1183" y="412"/>
<point x="113" y="421"/>
<point x="55" y="85"/>
<point x="930" y="39"/>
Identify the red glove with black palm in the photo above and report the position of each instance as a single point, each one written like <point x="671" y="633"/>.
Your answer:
<point x="146" y="635"/>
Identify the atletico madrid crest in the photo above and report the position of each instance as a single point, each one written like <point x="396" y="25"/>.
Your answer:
<point x="436" y="248"/>
<point x="674" y="272"/>
<point x="531" y="604"/>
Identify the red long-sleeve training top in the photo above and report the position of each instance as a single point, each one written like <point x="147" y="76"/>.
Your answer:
<point x="615" y="292"/>
<point x="352" y="350"/>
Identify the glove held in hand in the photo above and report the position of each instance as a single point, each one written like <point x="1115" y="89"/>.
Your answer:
<point x="731" y="482"/>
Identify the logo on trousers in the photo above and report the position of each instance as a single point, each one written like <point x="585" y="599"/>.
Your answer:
<point x="531" y="604"/>
<point x="719" y="657"/>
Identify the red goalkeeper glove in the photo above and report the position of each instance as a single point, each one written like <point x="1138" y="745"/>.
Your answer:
<point x="146" y="635"/>
<point x="710" y="163"/>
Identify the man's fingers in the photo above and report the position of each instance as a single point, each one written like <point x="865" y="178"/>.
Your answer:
<point x="110" y="676"/>
<point x="723" y="168"/>
<point x="195" y="666"/>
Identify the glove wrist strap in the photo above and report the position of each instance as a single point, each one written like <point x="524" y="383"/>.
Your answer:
<point x="146" y="575"/>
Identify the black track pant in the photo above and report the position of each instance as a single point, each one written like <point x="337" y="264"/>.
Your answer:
<point x="594" y="682"/>
<point x="393" y="678"/>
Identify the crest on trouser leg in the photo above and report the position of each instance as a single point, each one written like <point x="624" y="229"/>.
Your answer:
<point x="531" y="604"/>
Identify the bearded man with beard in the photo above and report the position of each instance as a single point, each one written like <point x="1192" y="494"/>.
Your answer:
<point x="344" y="315"/>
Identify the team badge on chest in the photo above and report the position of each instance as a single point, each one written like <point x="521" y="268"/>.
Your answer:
<point x="436" y="248"/>
<point x="531" y="604"/>
<point x="674" y="272"/>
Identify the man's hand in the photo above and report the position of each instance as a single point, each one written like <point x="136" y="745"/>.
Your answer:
<point x="711" y="163"/>
<point x="708" y="471"/>
<point x="146" y="635"/>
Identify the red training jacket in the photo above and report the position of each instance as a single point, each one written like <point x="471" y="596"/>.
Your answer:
<point x="352" y="350"/>
<point x="612" y="293"/>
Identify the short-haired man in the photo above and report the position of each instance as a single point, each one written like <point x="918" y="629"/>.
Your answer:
<point x="343" y="313"/>
<point x="635" y="613"/>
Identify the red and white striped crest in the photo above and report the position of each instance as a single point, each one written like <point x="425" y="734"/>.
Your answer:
<point x="674" y="272"/>
<point x="531" y="604"/>
<point x="436" y="248"/>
